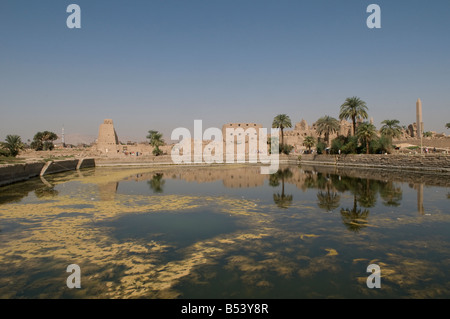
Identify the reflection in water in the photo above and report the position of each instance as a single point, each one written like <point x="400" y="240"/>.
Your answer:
<point x="420" y="208"/>
<point x="353" y="218"/>
<point x="328" y="200"/>
<point x="391" y="194"/>
<point x="156" y="183"/>
<point x="229" y="242"/>
<point x="282" y="200"/>
<point x="107" y="191"/>
<point x="47" y="191"/>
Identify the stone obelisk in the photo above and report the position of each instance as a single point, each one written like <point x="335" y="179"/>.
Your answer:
<point x="419" y="121"/>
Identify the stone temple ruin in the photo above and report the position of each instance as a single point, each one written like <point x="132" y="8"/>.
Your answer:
<point x="301" y="130"/>
<point x="108" y="143"/>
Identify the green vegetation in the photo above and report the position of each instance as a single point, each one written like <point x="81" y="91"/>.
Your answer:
<point x="11" y="160"/>
<point x="427" y="134"/>
<point x="353" y="108"/>
<point x="346" y="144"/>
<point x="327" y="125"/>
<point x="381" y="145"/>
<point x="43" y="141"/>
<point x="391" y="129"/>
<point x="4" y="152"/>
<point x="309" y="142"/>
<point x="12" y="146"/>
<point x="155" y="139"/>
<point x="447" y="125"/>
<point x="282" y="121"/>
<point x="320" y="147"/>
<point x="286" y="149"/>
<point x="366" y="133"/>
<point x="57" y="158"/>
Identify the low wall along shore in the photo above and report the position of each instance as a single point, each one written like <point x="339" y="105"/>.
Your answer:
<point x="429" y="162"/>
<point x="20" y="172"/>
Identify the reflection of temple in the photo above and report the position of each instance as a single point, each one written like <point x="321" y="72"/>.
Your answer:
<point x="242" y="177"/>
<point x="366" y="186"/>
<point x="108" y="191"/>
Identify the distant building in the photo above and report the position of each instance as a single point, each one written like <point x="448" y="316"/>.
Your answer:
<point x="107" y="141"/>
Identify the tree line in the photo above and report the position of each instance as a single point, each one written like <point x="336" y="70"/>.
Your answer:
<point x="42" y="141"/>
<point x="365" y="137"/>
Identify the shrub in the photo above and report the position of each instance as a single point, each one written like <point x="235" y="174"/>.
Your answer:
<point x="321" y="146"/>
<point x="4" y="152"/>
<point x="286" y="149"/>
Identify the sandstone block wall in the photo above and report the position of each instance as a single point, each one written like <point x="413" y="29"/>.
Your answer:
<point x="433" y="162"/>
<point x="60" y="166"/>
<point x="21" y="172"/>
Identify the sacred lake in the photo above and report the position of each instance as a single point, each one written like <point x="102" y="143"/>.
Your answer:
<point x="226" y="231"/>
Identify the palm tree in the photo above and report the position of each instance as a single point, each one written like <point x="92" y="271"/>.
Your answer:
<point x="353" y="108"/>
<point x="391" y="129"/>
<point x="155" y="139"/>
<point x="13" y="144"/>
<point x="281" y="121"/>
<point x="327" y="125"/>
<point x="366" y="133"/>
<point x="43" y="141"/>
<point x="309" y="142"/>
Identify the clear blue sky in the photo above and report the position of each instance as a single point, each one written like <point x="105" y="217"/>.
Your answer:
<point x="161" y="64"/>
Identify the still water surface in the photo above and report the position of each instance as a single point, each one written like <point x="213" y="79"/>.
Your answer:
<point x="226" y="232"/>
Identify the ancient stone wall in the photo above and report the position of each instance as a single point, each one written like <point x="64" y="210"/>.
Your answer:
<point x="429" y="162"/>
<point x="107" y="141"/>
<point x="21" y="172"/>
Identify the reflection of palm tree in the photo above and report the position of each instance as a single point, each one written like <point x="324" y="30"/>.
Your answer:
<point x="309" y="181"/>
<point x="157" y="183"/>
<point x="391" y="194"/>
<point x="354" y="219"/>
<point x="367" y="194"/>
<point x="282" y="200"/>
<point x="328" y="201"/>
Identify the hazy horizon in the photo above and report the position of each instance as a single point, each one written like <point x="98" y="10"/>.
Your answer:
<point x="163" y="64"/>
